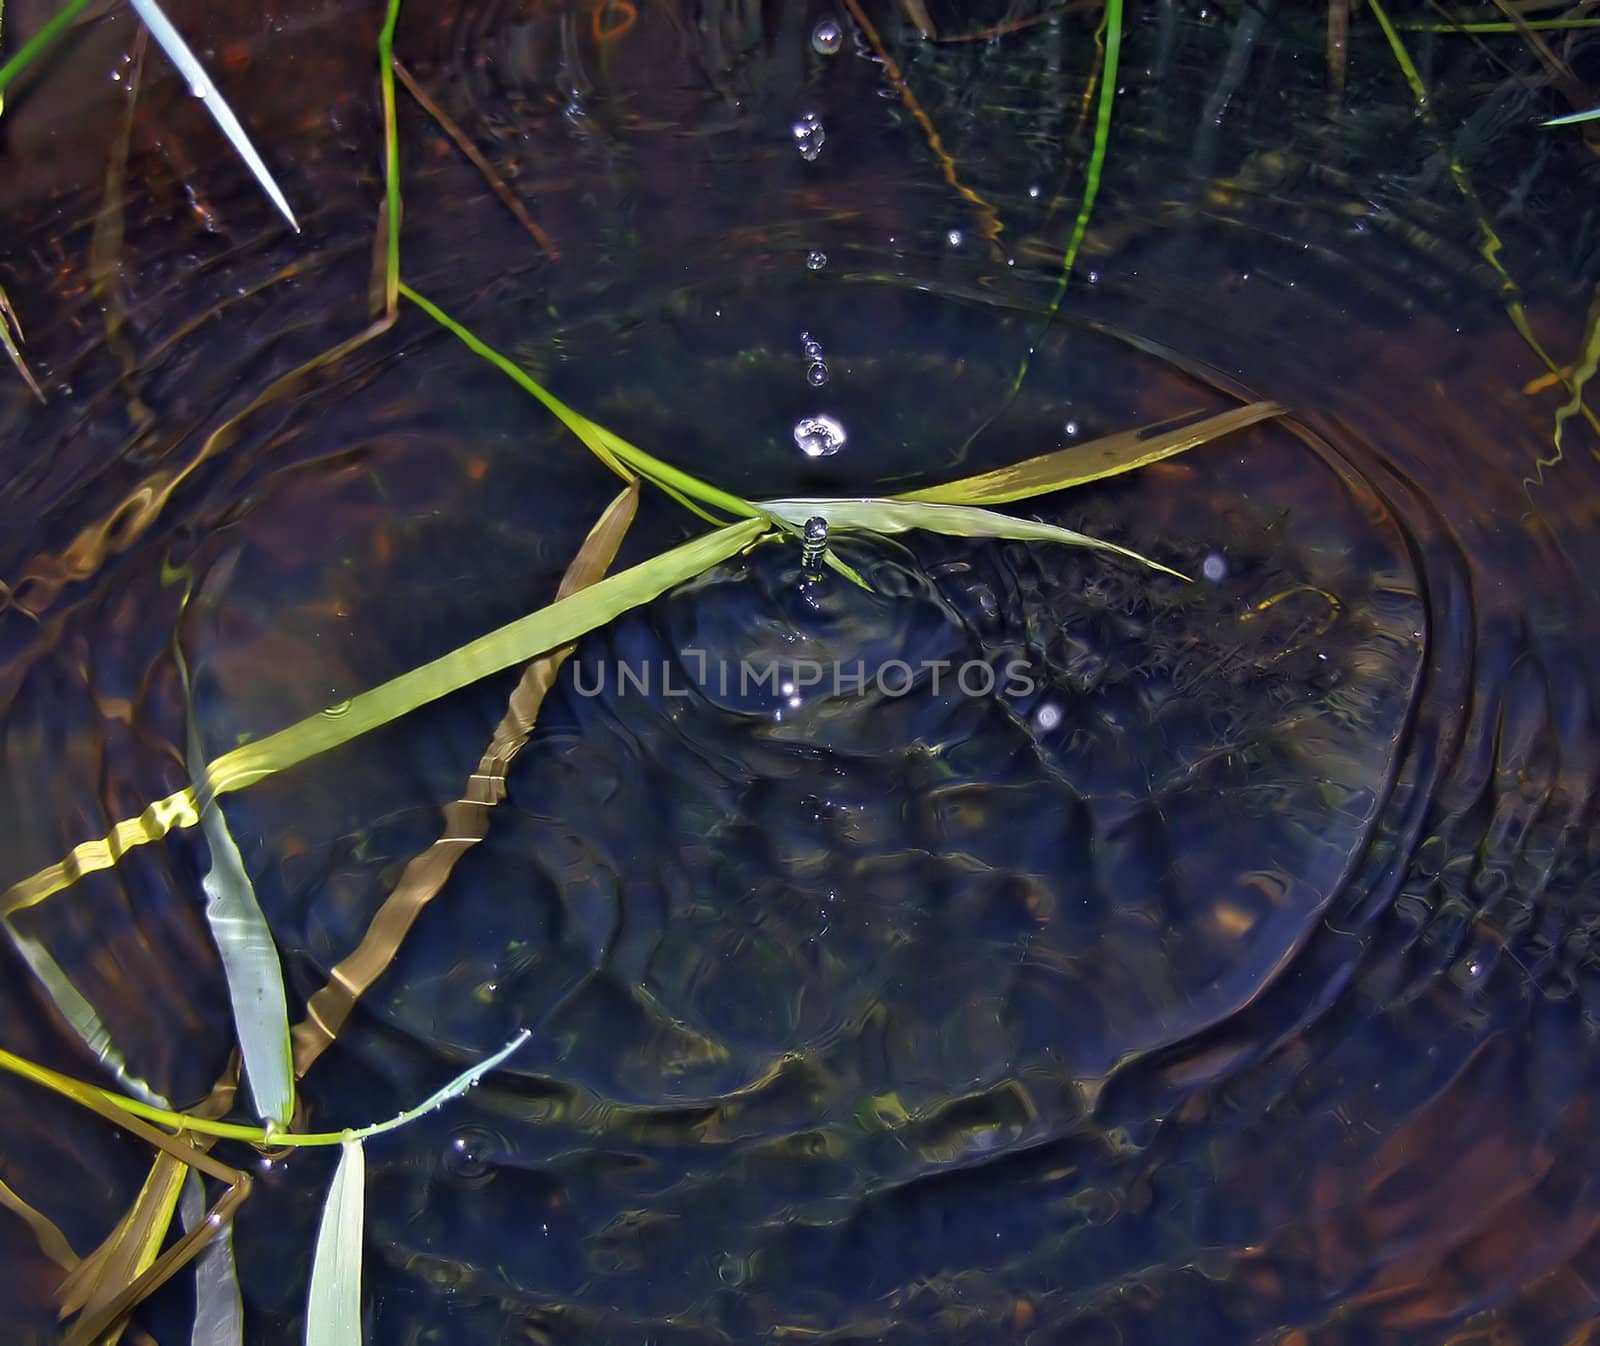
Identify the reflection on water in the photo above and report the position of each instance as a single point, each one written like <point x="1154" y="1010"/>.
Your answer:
<point x="1234" y="981"/>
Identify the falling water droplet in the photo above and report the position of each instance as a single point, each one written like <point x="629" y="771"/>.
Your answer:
<point x="817" y="374"/>
<point x="809" y="135"/>
<point x="826" y="38"/>
<point x="819" y="436"/>
<point x="815" y="261"/>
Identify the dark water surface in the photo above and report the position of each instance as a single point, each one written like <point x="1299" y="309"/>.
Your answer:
<point x="1234" y="982"/>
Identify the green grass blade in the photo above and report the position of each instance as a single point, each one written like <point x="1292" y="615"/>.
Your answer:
<point x="610" y="448"/>
<point x="333" y="1309"/>
<point x="467" y="1079"/>
<point x="1099" y="458"/>
<point x="391" y="156"/>
<point x="30" y="49"/>
<point x="1573" y="117"/>
<point x="201" y="86"/>
<point x="562" y="621"/>
<point x="897" y="516"/>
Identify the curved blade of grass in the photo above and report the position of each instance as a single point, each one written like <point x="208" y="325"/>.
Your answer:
<point x="52" y="1242"/>
<point x="898" y="516"/>
<point x="135" y="1116"/>
<point x="466" y="819"/>
<point x="610" y="448"/>
<point x="333" y="1310"/>
<point x="80" y="1015"/>
<point x="201" y="87"/>
<point x="517" y="642"/>
<point x="1099" y="458"/>
<point x="29" y="51"/>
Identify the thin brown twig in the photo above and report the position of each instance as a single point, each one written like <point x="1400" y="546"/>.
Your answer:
<point x="482" y="164"/>
<point x="990" y="227"/>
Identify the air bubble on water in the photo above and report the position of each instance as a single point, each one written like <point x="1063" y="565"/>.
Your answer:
<point x="1214" y="567"/>
<point x="1070" y="428"/>
<point x="826" y="38"/>
<point x="813" y="349"/>
<point x="819" y="436"/>
<point x="815" y="261"/>
<point x="953" y="238"/>
<point x="1048" y="717"/>
<point x="817" y="374"/>
<point x="1034" y="191"/>
<point x="809" y="135"/>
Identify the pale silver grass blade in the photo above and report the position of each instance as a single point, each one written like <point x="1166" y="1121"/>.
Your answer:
<point x="898" y="516"/>
<point x="81" y="1016"/>
<point x="333" y="1308"/>
<point x="244" y="943"/>
<point x="467" y="1079"/>
<point x="201" y="87"/>
<point x="250" y="963"/>
<point x="218" y="1309"/>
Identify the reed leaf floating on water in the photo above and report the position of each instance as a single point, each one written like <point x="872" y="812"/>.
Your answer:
<point x="897" y="516"/>
<point x="201" y="87"/>
<point x="1573" y="117"/>
<point x="1096" y="460"/>
<point x="11" y="339"/>
<point x="218" y="1307"/>
<point x="333" y="1309"/>
<point x="244" y="943"/>
<point x="127" y="1252"/>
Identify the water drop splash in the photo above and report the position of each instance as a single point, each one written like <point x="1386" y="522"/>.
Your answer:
<point x="819" y="436"/>
<point x="815" y="261"/>
<point x="809" y="135"/>
<point x="826" y="38"/>
<point x="815" y="537"/>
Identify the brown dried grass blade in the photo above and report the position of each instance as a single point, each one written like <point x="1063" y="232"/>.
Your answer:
<point x="130" y="1248"/>
<point x="466" y="820"/>
<point x="52" y="1242"/>
<point x="496" y="183"/>
<point x="1099" y="458"/>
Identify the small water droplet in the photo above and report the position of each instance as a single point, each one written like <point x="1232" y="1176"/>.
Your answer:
<point x="1070" y="428"/>
<point x="819" y="436"/>
<point x="813" y="350"/>
<point x="953" y="238"/>
<point x="1034" y="191"/>
<point x="817" y="374"/>
<point x="826" y="38"/>
<point x="809" y="135"/>
<point x="199" y="90"/>
<point x="815" y="261"/>
<point x="1214" y="567"/>
<point x="1048" y="717"/>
